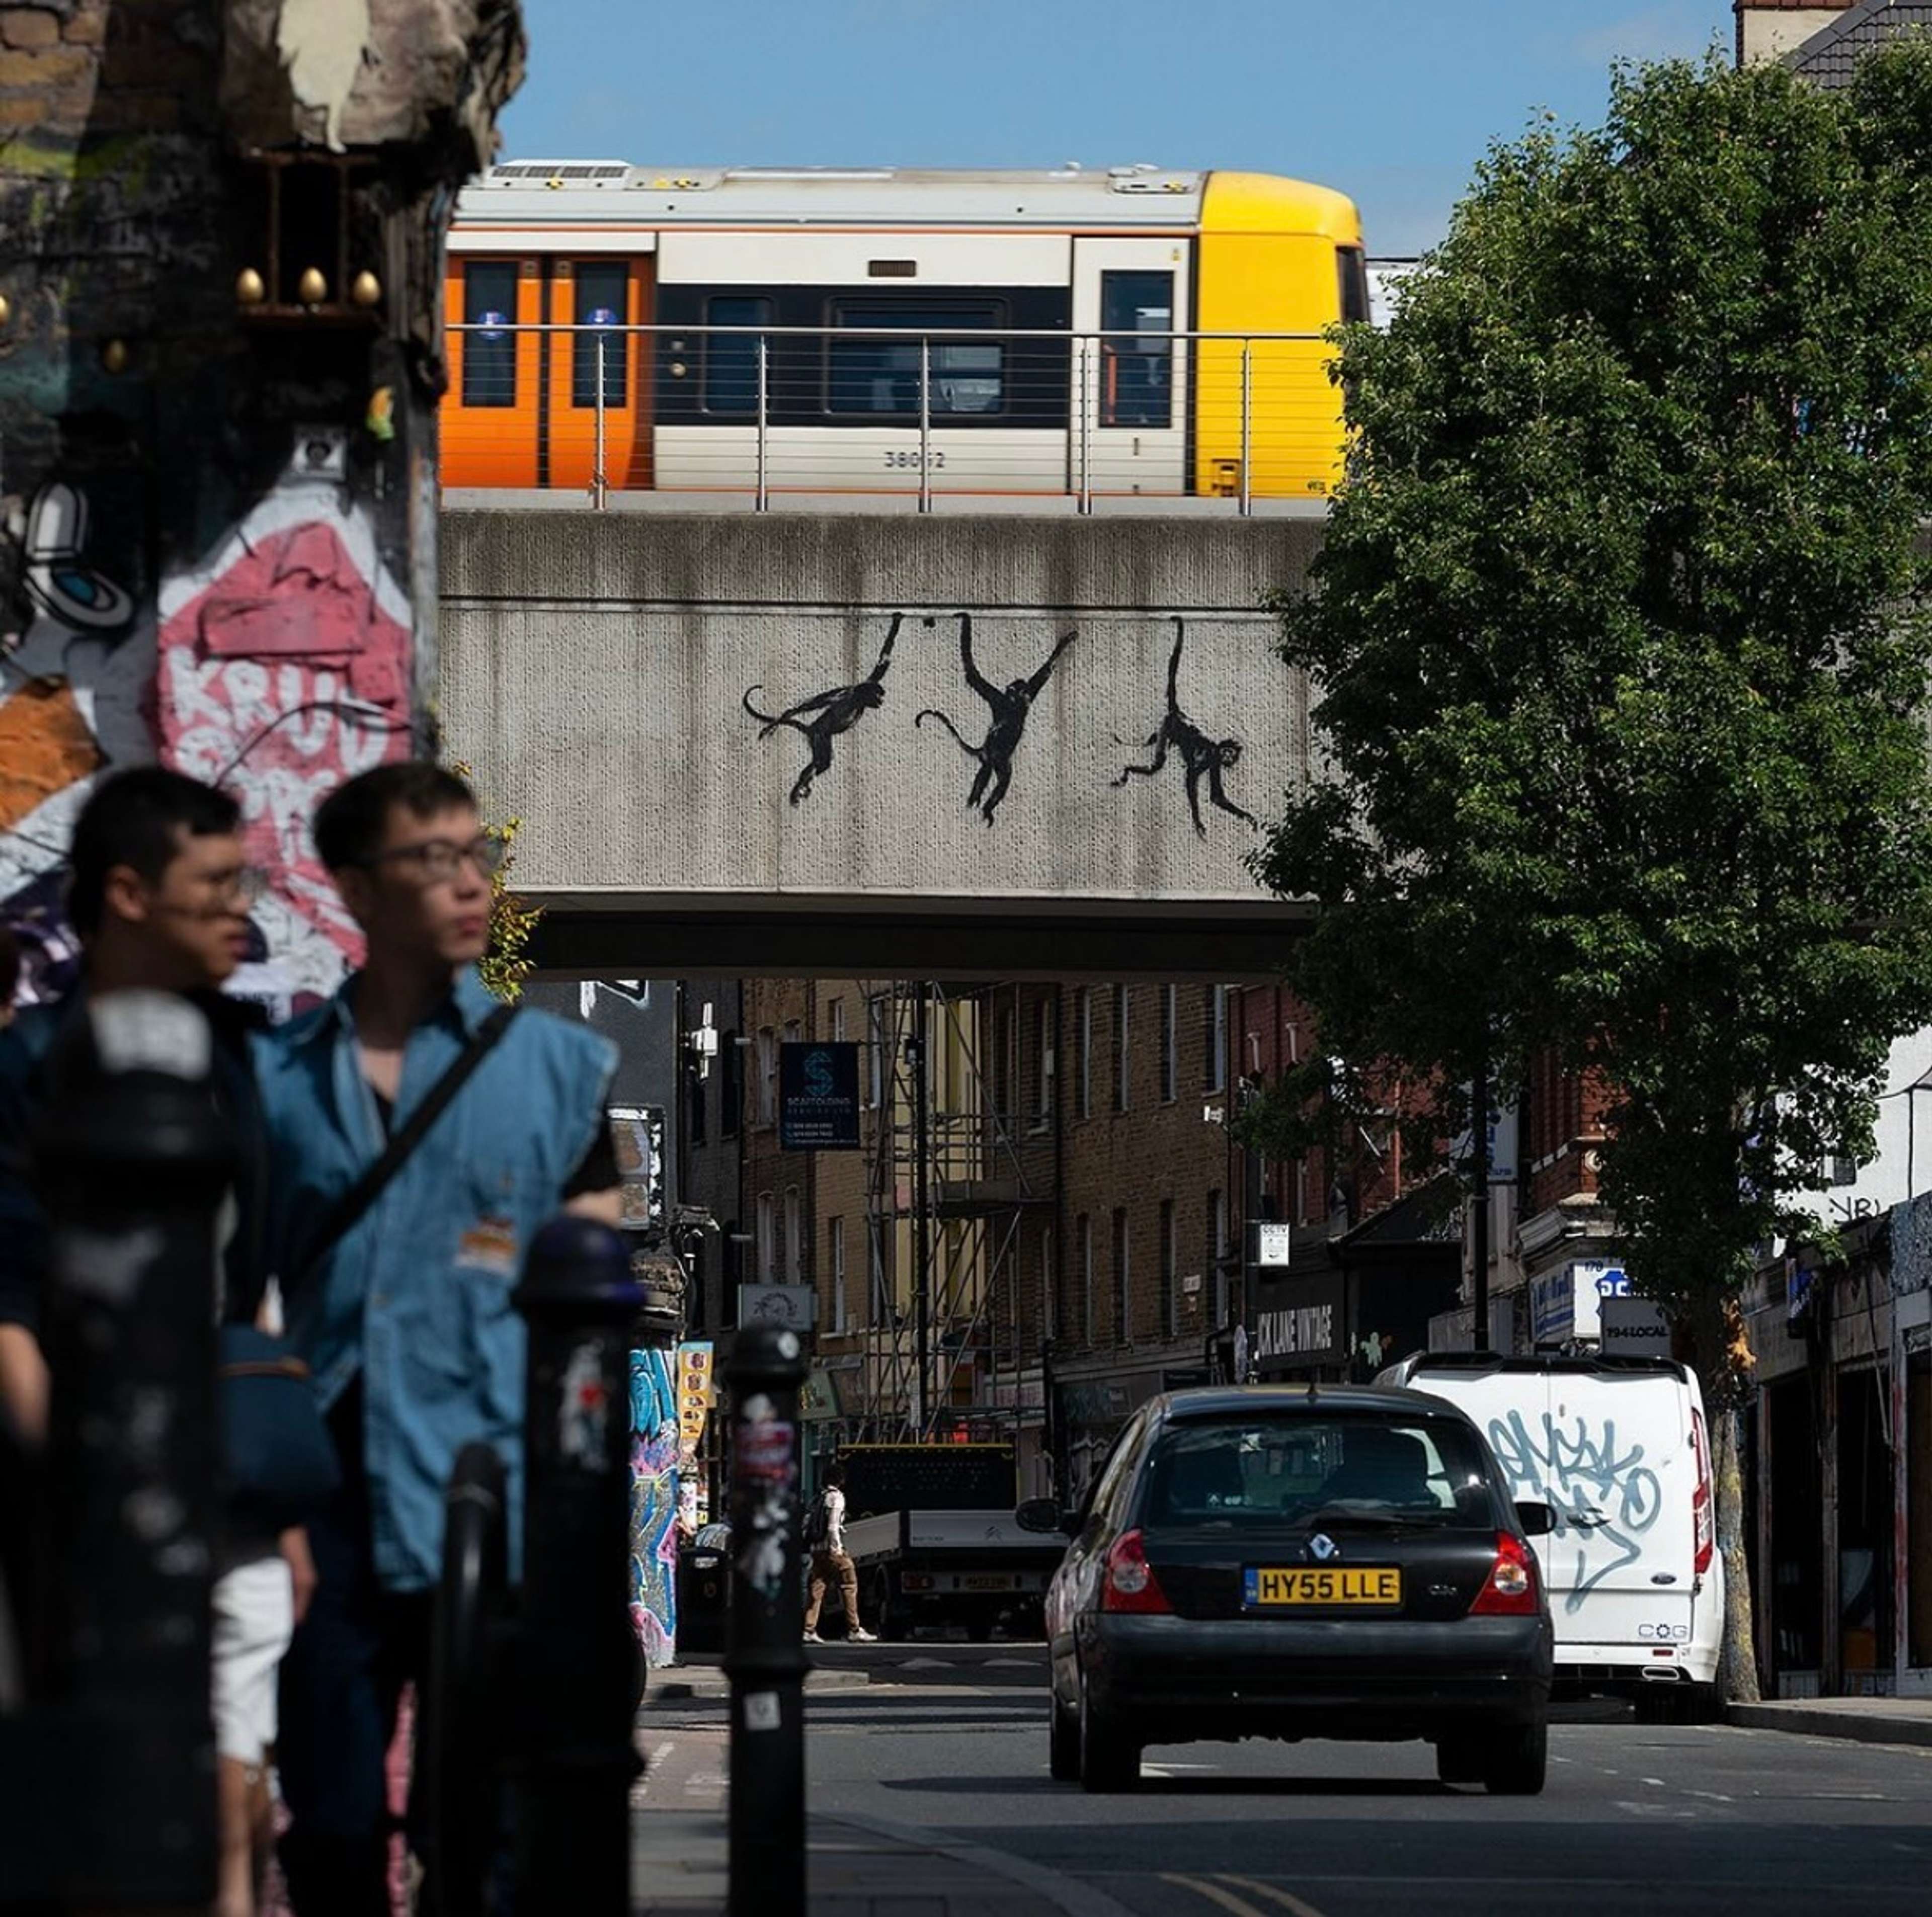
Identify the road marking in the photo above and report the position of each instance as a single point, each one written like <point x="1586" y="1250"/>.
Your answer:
<point x="1287" y="1900"/>
<point x="1712" y="1796"/>
<point x="1216" y="1892"/>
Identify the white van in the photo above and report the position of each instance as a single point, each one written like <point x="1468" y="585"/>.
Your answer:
<point x="1619" y="1449"/>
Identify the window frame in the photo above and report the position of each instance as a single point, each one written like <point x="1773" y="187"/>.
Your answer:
<point x="1084" y="1040"/>
<point x="1170" y="1044"/>
<point x="466" y="397"/>
<point x="1215" y="1073"/>
<point x="708" y="339"/>
<point x="582" y="354"/>
<point x="835" y="1256"/>
<point x="1114" y="349"/>
<point x="1170" y="1271"/>
<point x="1123" y="1058"/>
<point x="997" y="322"/>
<point x="1122" y="1275"/>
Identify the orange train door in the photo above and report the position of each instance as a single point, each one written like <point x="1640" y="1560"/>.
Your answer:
<point x="489" y="418"/>
<point x="612" y="290"/>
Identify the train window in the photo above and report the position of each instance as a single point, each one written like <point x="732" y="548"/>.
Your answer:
<point x="731" y="359"/>
<point x="1137" y="358"/>
<point x="603" y="299"/>
<point x="490" y="353"/>
<point x="1354" y="274"/>
<point x="878" y="376"/>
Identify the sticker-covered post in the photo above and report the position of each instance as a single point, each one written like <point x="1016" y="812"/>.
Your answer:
<point x="765" y="1659"/>
<point x="576" y="1655"/>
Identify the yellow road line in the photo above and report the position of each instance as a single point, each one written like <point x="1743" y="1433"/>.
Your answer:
<point x="1287" y="1900"/>
<point x="1226" y="1899"/>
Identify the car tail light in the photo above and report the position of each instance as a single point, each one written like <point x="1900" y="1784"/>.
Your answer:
<point x="1129" y="1583"/>
<point x="1703" y="1515"/>
<point x="1510" y="1589"/>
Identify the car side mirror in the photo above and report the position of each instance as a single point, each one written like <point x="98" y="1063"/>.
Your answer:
<point x="1041" y="1515"/>
<point x="1537" y="1521"/>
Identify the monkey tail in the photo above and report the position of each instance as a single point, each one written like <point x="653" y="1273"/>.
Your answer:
<point x="970" y="751"/>
<point x="770" y="721"/>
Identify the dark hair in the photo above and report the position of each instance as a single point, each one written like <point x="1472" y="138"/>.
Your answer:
<point x="834" y="1474"/>
<point x="139" y="818"/>
<point x="351" y="823"/>
<point x="10" y="968"/>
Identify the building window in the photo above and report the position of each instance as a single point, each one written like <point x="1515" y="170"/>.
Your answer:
<point x="875" y="376"/>
<point x="794" y="1031"/>
<point x="767" y="1245"/>
<point x="490" y="353"/>
<point x="1050" y="1313"/>
<point x="1083" y="1096"/>
<point x="1170" y="1282"/>
<point x="731" y="359"/>
<point x="1006" y="1061"/>
<point x="603" y="298"/>
<point x="877" y="1062"/>
<point x="768" y="1077"/>
<point x="1123" y="1322"/>
<point x="1083" y="1233"/>
<point x="1217" y="1254"/>
<point x="731" y="1084"/>
<point x="838" y="1021"/>
<point x="1122" y="1005"/>
<point x="1048" y="1064"/>
<point x="1301" y="1191"/>
<point x="836" y="1238"/>
<point x="1214" y="1066"/>
<point x="1170" y="1035"/>
<point x="1137" y="358"/>
<point x="794" y="1254"/>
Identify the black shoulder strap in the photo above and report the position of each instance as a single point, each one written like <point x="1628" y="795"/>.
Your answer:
<point x="349" y="1207"/>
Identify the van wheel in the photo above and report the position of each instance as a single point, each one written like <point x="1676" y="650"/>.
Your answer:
<point x="1515" y="1763"/>
<point x="1459" y="1759"/>
<point x="1110" y="1760"/>
<point x="1063" y="1742"/>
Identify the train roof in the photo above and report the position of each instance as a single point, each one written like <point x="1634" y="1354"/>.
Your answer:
<point x="566" y="193"/>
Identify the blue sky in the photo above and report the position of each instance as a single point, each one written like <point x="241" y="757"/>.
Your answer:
<point x="1391" y="100"/>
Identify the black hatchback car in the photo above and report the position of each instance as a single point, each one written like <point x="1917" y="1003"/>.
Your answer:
<point x="1290" y="1562"/>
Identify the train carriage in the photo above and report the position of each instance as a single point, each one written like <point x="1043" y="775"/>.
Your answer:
<point x="1124" y="332"/>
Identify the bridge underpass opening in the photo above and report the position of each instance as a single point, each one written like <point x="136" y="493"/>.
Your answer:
<point x="798" y="744"/>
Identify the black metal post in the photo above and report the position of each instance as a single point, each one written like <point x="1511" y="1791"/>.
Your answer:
<point x="1479" y="1135"/>
<point x="922" y="1227"/>
<point x="113" y="1765"/>
<point x="766" y="1661"/>
<point x="576" y="1650"/>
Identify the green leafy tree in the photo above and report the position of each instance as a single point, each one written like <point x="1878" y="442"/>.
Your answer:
<point x="1620" y="642"/>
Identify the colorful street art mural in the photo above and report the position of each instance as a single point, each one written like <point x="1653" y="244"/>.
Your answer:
<point x="277" y="664"/>
<point x="654" y="1495"/>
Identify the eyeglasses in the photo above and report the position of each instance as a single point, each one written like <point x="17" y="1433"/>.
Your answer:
<point x="241" y="888"/>
<point x="439" y="861"/>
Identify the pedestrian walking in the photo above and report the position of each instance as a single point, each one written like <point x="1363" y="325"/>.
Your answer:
<point x="160" y="897"/>
<point x="825" y="1538"/>
<point x="422" y="1135"/>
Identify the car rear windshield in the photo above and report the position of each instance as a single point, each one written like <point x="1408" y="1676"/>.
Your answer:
<point x="1305" y="1469"/>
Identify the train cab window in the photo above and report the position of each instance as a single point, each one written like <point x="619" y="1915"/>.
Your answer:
<point x="490" y="353"/>
<point x="878" y="376"/>
<point x="1137" y="356"/>
<point x="731" y="359"/>
<point x="602" y="299"/>
<point x="1354" y="275"/>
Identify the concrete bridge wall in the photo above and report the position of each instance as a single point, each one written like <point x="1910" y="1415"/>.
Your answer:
<point x="601" y="672"/>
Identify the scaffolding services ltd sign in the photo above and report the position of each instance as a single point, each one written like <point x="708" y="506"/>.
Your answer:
<point x="818" y="1097"/>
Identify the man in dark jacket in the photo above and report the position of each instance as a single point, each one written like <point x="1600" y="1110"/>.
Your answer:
<point x="160" y="897"/>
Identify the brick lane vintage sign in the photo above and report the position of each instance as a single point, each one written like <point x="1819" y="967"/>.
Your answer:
<point x="1302" y="1321"/>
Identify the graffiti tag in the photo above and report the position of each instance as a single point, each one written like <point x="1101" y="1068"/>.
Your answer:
<point x="1598" y="1495"/>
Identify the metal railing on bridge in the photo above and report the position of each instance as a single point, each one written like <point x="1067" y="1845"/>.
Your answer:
<point x="764" y="411"/>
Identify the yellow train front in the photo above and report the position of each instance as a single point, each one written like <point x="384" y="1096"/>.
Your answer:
<point x="1132" y="331"/>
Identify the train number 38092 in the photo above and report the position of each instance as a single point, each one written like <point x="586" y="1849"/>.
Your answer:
<point x="936" y="460"/>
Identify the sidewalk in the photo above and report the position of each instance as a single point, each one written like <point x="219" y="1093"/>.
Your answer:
<point x="1861" y="1720"/>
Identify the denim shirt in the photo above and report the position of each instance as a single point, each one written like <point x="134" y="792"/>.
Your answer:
<point x="415" y="1297"/>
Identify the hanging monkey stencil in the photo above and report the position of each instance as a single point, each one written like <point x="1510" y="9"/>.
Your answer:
<point x="1007" y="709"/>
<point x="833" y="712"/>
<point x="1200" y="757"/>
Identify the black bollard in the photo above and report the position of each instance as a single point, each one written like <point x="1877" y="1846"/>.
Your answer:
<point x="766" y="1661"/>
<point x="576" y="1651"/>
<point x="133" y="1159"/>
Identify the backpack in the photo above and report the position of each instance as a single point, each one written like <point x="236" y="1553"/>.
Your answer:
<point x="818" y="1523"/>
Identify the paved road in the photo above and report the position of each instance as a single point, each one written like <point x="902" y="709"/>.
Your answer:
<point x="1635" y="1820"/>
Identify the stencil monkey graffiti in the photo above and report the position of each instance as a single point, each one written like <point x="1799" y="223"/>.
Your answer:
<point x="1200" y="757"/>
<point x="832" y="713"/>
<point x="1007" y="709"/>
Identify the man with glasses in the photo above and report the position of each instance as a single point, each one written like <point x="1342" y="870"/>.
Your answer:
<point x="159" y="896"/>
<point x="403" y="1314"/>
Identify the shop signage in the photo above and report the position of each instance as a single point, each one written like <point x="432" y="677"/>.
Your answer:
<point x="1566" y="1304"/>
<point x="1634" y="1328"/>
<point x="789" y="1307"/>
<point x="1272" y="1244"/>
<point x="818" y="1097"/>
<point x="1302" y="1321"/>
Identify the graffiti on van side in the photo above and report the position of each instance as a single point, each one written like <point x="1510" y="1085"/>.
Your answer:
<point x="1603" y="1497"/>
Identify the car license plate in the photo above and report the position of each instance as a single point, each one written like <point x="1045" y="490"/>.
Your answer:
<point x="1270" y="1588"/>
<point x="987" y="1580"/>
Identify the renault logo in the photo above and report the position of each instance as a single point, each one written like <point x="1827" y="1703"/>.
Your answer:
<point x="1321" y="1546"/>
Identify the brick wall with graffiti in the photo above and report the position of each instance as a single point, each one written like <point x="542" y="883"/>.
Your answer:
<point x="219" y="361"/>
